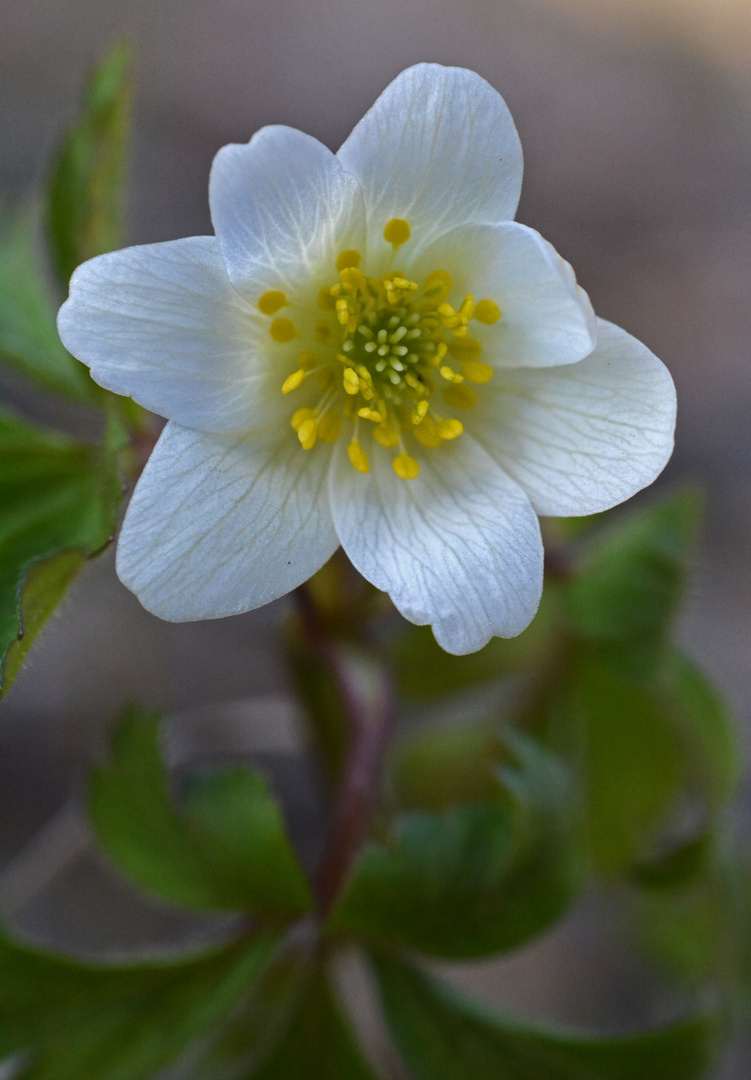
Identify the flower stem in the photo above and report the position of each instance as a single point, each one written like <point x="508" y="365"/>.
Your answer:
<point x="367" y="697"/>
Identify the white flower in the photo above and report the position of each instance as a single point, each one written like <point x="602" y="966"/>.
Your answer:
<point x="370" y="353"/>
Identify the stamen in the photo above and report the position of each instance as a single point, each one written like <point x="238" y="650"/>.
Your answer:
<point x="459" y="397"/>
<point x="405" y="467"/>
<point x="306" y="433"/>
<point x="271" y="302"/>
<point x="358" y="458"/>
<point x="476" y="371"/>
<point x="370" y="414"/>
<point x="397" y="232"/>
<point x="351" y="382"/>
<point x="450" y="375"/>
<point x="301" y="416"/>
<point x="293" y="381"/>
<point x="329" y="426"/>
<point x="488" y="312"/>
<point x="283" y="330"/>
<point x="348" y="258"/>
<point x="450" y="429"/>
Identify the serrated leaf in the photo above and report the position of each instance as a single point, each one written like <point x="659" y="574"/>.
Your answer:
<point x="85" y="196"/>
<point x="29" y="341"/>
<point x="234" y="821"/>
<point x="443" y="1035"/>
<point x="226" y="849"/>
<point x="59" y="500"/>
<point x="477" y="879"/>
<point x="627" y="591"/>
<point x="121" y="1022"/>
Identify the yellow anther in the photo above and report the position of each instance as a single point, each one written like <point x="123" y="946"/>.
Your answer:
<point x="450" y="375"/>
<point x="342" y="311"/>
<point x="306" y="433"/>
<point x="488" y="312"/>
<point x="450" y="429"/>
<point x="353" y="278"/>
<point x="370" y="414"/>
<point x="307" y="360"/>
<point x="322" y="331"/>
<point x="271" y="302"/>
<point x="397" y="232"/>
<point x="351" y="382"/>
<point x="293" y="381"/>
<point x="420" y="411"/>
<point x="348" y="258"/>
<point x="459" y="331"/>
<point x="466" y="348"/>
<point x="325" y="300"/>
<point x="468" y="306"/>
<point x="404" y="283"/>
<point x="387" y="433"/>
<point x="282" y="330"/>
<point x="365" y="375"/>
<point x="437" y="286"/>
<point x="329" y="426"/>
<point x="299" y="417"/>
<point x="446" y="311"/>
<point x="476" y="371"/>
<point x="459" y="397"/>
<point x="427" y="433"/>
<point x="358" y="458"/>
<point x="405" y="467"/>
<point x="441" y="350"/>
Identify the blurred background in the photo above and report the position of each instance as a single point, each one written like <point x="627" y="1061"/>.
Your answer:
<point x="635" y="118"/>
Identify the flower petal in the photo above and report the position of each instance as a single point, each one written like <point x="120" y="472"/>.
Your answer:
<point x="547" y="318"/>
<point x="283" y="207"/>
<point x="458" y="547"/>
<point x="219" y="525"/>
<point x="582" y="438"/>
<point x="439" y="149"/>
<point x="162" y="324"/>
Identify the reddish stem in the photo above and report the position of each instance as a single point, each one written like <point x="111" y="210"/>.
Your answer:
<point x="368" y="703"/>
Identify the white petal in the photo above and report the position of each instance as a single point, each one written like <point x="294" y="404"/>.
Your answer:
<point x="438" y="148"/>
<point x="546" y="318"/>
<point x="162" y="324"/>
<point x="283" y="208"/>
<point x="458" y="547"/>
<point x="582" y="438"/>
<point x="218" y="525"/>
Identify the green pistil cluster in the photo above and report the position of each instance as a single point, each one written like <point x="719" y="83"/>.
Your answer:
<point x="393" y="345"/>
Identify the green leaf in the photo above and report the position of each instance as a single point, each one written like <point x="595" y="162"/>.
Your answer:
<point x="699" y="925"/>
<point x="237" y="826"/>
<point x="29" y="342"/>
<point x="631" y="759"/>
<point x="447" y="764"/>
<point x="291" y="1028"/>
<point x="477" y="879"/>
<point x="628" y="590"/>
<point x="424" y="671"/>
<point x="122" y="1022"/>
<point x="706" y="727"/>
<point x="225" y="849"/>
<point x="85" y="196"/>
<point x="445" y="1036"/>
<point x="59" y="500"/>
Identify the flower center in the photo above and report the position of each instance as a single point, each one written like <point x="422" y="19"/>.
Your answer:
<point x="390" y="354"/>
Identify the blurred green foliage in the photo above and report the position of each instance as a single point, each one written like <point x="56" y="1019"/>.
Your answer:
<point x="595" y="752"/>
